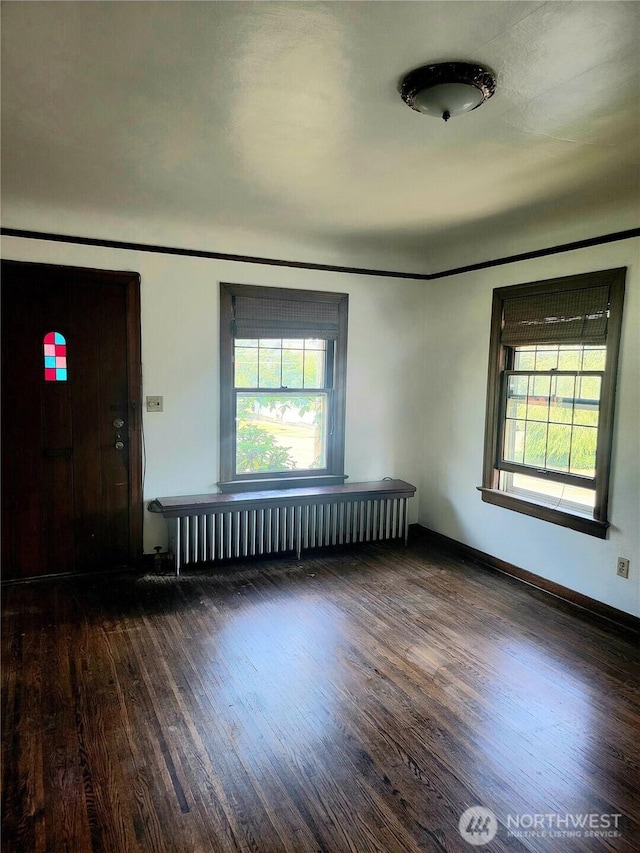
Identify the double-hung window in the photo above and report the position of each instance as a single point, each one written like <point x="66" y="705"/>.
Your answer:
<point x="552" y="374"/>
<point x="283" y="368"/>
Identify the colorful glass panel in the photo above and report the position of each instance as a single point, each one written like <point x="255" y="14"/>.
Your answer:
<point x="55" y="357"/>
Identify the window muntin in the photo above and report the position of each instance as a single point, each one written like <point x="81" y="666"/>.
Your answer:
<point x="560" y="357"/>
<point x="550" y="398"/>
<point x="551" y="414"/>
<point x="280" y="363"/>
<point x="287" y="430"/>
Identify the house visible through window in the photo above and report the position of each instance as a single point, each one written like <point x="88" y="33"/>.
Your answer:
<point x="283" y="359"/>
<point x="550" y="404"/>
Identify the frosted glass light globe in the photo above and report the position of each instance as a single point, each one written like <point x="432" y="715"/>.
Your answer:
<point x="448" y="99"/>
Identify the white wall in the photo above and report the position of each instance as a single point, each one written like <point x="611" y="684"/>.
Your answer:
<point x="403" y="336"/>
<point x="458" y="311"/>
<point x="180" y="321"/>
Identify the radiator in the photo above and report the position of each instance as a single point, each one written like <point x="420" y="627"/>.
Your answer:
<point x="207" y="528"/>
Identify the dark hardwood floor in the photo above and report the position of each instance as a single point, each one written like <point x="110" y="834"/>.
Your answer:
<point x="358" y="700"/>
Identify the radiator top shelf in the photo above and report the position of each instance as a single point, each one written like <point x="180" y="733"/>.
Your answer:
<point x="185" y="505"/>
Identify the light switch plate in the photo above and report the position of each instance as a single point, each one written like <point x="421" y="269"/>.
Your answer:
<point x="154" y="404"/>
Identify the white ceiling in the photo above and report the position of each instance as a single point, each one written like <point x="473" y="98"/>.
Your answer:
<point x="276" y="129"/>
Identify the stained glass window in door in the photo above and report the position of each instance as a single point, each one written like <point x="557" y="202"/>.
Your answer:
<point x="55" y="357"/>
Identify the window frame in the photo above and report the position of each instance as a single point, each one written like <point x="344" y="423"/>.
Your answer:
<point x="500" y="364"/>
<point x="334" y="387"/>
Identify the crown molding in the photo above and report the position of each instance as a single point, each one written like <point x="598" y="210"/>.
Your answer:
<point x="276" y="262"/>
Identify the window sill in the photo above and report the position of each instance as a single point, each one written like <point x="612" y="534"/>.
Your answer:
<point x="581" y="523"/>
<point x="281" y="483"/>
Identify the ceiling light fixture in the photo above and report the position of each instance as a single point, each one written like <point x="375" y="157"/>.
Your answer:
<point x="447" y="89"/>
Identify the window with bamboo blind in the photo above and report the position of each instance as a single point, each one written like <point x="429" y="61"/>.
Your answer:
<point x="550" y="400"/>
<point x="283" y="374"/>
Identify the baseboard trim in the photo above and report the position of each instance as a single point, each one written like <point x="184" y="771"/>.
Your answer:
<point x="597" y="608"/>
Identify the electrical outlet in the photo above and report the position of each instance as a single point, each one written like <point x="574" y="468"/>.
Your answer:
<point x="623" y="567"/>
<point x="154" y="404"/>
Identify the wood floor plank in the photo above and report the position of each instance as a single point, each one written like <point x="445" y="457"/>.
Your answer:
<point x="63" y="776"/>
<point x="358" y="700"/>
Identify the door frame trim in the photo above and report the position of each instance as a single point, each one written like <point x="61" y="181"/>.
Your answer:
<point x="131" y="282"/>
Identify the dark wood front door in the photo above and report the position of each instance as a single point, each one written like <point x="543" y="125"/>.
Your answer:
<point x="71" y="450"/>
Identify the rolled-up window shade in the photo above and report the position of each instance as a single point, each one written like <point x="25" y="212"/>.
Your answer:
<point x="257" y="317"/>
<point x="559" y="317"/>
